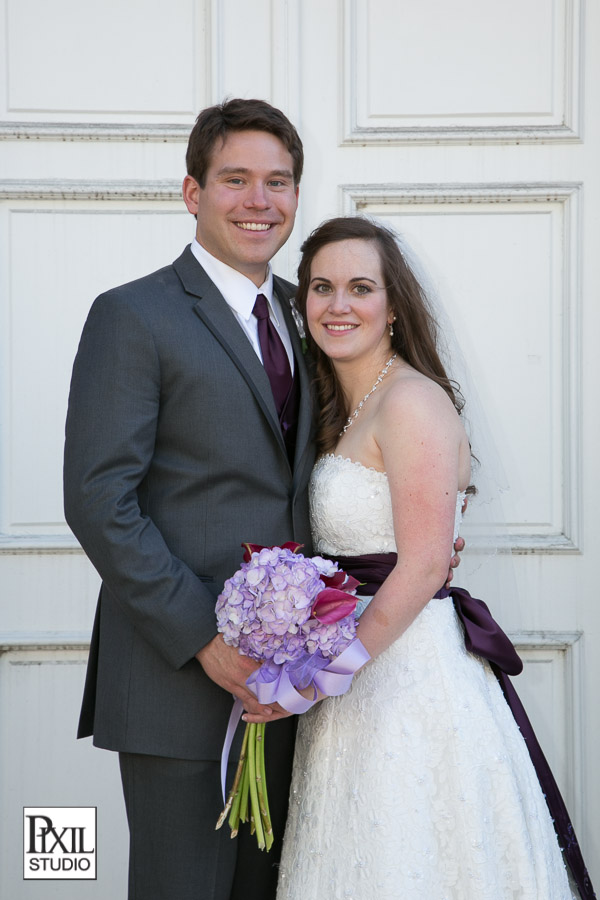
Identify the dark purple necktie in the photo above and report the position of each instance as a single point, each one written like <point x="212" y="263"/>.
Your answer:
<point x="275" y="359"/>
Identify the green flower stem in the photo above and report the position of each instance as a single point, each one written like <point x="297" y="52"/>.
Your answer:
<point x="234" y="817"/>
<point x="238" y="786"/>
<point x="262" y="787"/>
<point x="245" y="793"/>
<point x="233" y="801"/>
<point x="248" y="796"/>
<point x="255" y="807"/>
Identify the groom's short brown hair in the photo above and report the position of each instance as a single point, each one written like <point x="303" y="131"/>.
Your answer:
<point x="216" y="122"/>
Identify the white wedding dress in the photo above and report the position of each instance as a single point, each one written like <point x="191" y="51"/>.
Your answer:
<point x="416" y="784"/>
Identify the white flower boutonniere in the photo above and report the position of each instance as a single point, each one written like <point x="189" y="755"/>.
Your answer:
<point x="299" y="323"/>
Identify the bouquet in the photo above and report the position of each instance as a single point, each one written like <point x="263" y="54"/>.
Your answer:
<point x="295" y="615"/>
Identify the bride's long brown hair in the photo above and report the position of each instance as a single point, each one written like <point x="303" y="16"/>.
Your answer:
<point x="415" y="329"/>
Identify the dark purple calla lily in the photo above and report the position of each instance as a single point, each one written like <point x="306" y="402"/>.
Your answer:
<point x="332" y="605"/>
<point x="341" y="581"/>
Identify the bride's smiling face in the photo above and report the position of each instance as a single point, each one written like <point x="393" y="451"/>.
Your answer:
<point x="347" y="308"/>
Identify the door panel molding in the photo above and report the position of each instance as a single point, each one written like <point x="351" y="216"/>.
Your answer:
<point x="389" y="97"/>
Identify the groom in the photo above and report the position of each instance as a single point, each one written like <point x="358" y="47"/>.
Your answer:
<point x="189" y="432"/>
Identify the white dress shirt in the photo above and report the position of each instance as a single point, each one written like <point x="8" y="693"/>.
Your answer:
<point x="240" y="293"/>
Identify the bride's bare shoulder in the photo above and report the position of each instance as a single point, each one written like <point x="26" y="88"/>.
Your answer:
<point x="412" y="393"/>
<point x="417" y="420"/>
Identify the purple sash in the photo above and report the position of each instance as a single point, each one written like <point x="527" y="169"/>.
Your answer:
<point x="485" y="638"/>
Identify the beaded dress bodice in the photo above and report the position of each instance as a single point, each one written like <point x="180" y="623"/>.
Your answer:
<point x="351" y="508"/>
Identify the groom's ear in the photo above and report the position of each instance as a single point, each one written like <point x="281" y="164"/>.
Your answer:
<point x="191" y="194"/>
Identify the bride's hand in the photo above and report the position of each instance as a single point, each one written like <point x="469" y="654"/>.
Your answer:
<point x="278" y="713"/>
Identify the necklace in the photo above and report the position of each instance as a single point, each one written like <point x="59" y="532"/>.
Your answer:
<point x="380" y="377"/>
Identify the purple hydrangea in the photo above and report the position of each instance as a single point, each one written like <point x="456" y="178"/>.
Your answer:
<point x="265" y="608"/>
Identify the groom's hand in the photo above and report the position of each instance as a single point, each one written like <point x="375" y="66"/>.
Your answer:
<point x="459" y="546"/>
<point x="229" y="669"/>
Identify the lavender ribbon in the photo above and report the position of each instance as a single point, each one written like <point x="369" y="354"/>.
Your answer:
<point x="234" y="718"/>
<point x="272" y="684"/>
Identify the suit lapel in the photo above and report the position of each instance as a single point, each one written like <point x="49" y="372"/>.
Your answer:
<point x="214" y="311"/>
<point x="212" y="308"/>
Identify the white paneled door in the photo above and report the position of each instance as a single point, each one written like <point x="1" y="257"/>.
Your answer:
<point x="471" y="128"/>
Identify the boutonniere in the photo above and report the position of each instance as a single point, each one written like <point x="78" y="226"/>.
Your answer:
<point x="299" y="322"/>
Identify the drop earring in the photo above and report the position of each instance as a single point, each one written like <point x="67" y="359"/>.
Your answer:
<point x="391" y="324"/>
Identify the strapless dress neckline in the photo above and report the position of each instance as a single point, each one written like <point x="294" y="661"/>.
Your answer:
<point x="351" y="508"/>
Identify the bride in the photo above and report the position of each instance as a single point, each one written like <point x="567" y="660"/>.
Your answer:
<point x="417" y="783"/>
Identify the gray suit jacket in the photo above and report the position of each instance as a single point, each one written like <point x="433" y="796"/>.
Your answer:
<point x="174" y="457"/>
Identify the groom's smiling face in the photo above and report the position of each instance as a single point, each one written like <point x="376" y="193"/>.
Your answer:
<point x="246" y="210"/>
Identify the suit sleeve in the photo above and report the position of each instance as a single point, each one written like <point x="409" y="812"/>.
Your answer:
<point x="110" y="433"/>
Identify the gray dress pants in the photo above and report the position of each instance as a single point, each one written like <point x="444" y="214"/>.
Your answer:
<point x="172" y="807"/>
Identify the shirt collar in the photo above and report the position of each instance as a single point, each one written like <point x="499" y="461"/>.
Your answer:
<point x="237" y="289"/>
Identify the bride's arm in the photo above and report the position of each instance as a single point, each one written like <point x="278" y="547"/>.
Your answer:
<point x="420" y="438"/>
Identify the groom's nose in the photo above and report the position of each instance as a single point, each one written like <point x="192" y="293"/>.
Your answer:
<point x="256" y="196"/>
